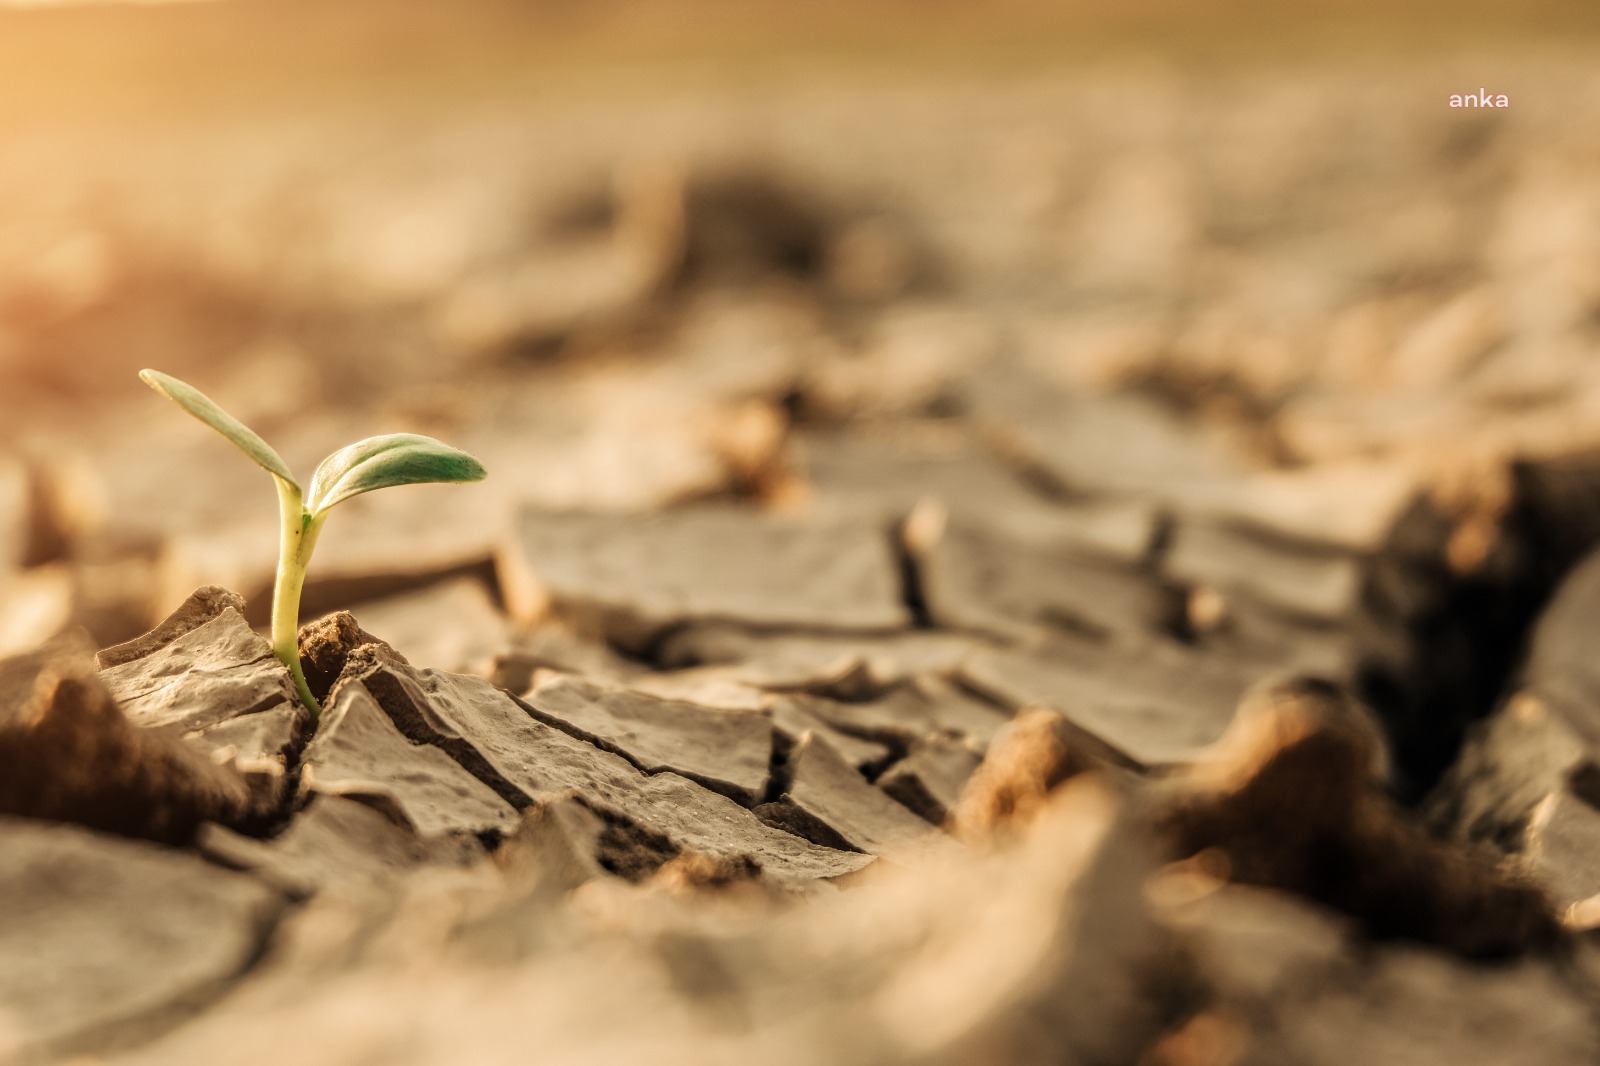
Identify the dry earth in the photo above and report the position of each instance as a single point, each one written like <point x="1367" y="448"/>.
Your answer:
<point x="1083" y="566"/>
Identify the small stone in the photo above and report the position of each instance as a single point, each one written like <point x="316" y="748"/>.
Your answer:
<point x="828" y="802"/>
<point x="359" y="753"/>
<point x="930" y="779"/>
<point x="634" y="578"/>
<point x="726" y="751"/>
<point x="105" y="937"/>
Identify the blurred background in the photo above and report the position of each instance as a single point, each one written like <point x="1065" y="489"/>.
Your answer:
<point x="640" y="253"/>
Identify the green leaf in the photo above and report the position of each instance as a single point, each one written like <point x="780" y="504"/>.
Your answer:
<point x="205" y="409"/>
<point x="394" y="459"/>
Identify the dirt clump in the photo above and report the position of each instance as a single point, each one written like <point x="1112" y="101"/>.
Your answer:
<point x="1028" y="759"/>
<point x="326" y="644"/>
<point x="1291" y="798"/>
<point x="69" y="754"/>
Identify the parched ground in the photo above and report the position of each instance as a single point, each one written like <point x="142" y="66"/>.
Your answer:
<point x="1068" y="542"/>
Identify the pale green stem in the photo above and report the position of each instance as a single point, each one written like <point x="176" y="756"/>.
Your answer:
<point x="297" y="541"/>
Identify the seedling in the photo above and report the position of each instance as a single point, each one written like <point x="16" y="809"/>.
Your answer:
<point x="374" y="463"/>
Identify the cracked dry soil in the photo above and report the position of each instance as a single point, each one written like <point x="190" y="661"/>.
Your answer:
<point x="1058" y="569"/>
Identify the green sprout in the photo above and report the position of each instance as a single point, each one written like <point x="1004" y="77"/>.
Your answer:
<point x="374" y="463"/>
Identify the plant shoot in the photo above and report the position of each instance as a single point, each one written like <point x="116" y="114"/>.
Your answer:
<point x="374" y="463"/>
